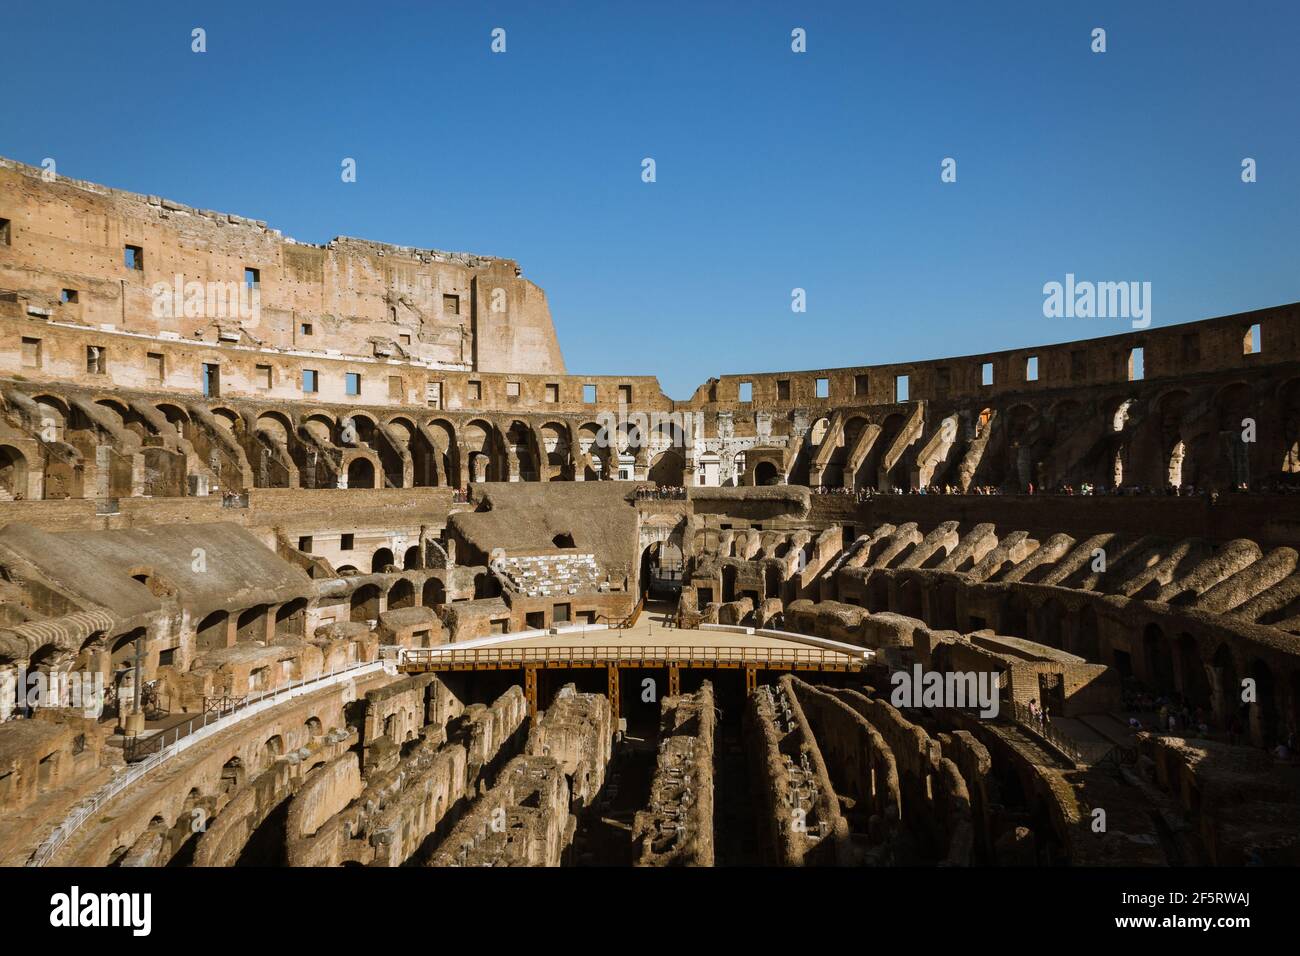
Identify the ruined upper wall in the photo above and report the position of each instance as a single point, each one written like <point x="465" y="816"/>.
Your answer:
<point x="349" y="297"/>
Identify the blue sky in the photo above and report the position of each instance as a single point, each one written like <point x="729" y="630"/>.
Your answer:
<point x="775" y="170"/>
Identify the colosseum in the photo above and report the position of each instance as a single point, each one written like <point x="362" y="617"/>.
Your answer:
<point x="316" y="556"/>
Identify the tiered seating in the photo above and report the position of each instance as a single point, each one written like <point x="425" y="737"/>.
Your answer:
<point x="542" y="575"/>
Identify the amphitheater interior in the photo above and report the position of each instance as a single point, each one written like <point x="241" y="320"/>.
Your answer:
<point x="315" y="555"/>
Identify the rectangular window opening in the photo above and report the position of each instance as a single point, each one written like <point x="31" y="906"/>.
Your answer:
<point x="345" y="542"/>
<point x="746" y="391"/>
<point x="31" y="352"/>
<point x="900" y="388"/>
<point x="309" y="380"/>
<point x="783" y="390"/>
<point x="553" y="393"/>
<point x="252" y="277"/>
<point x="589" y="394"/>
<point x="352" y="383"/>
<point x="1250" y="345"/>
<point x="823" y="388"/>
<point x="1136" y="366"/>
<point x="1031" y="368"/>
<point x="475" y="391"/>
<point x="986" y="373"/>
<point x="96" y="359"/>
<point x="133" y="258"/>
<point x="262" y="376"/>
<point x="451" y="305"/>
<point x="68" y="296"/>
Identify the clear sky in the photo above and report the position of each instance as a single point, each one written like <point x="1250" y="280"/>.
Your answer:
<point x="775" y="170"/>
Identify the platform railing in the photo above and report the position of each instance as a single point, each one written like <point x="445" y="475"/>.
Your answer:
<point x="432" y="657"/>
<point x="182" y="738"/>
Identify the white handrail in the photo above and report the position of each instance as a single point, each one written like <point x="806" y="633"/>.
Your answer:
<point x="264" y="701"/>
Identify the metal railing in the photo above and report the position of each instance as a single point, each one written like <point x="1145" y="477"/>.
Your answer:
<point x="1044" y="730"/>
<point x="183" y="740"/>
<point x="623" y="623"/>
<point x="615" y="653"/>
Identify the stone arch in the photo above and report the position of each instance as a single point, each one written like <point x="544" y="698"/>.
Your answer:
<point x="1265" y="725"/>
<point x="1158" y="667"/>
<point x="276" y="425"/>
<point x="13" y="472"/>
<point x="364" y="603"/>
<point x="1088" y="642"/>
<point x="519" y="441"/>
<point x="478" y="437"/>
<point x="1193" y="683"/>
<point x="381" y="559"/>
<point x="402" y="594"/>
<point x="212" y="630"/>
<point x="291" y="618"/>
<point x="361" y="472"/>
<point x="668" y="468"/>
<point x="1227" y="698"/>
<point x="1288" y="400"/>
<point x="53" y="422"/>
<point x="434" y="593"/>
<point x="413" y="559"/>
<point x="251" y="625"/>
<point x="319" y="426"/>
<point x="227" y="418"/>
<point x="1233" y="404"/>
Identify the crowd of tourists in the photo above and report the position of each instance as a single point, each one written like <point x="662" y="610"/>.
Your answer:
<point x="661" y="493"/>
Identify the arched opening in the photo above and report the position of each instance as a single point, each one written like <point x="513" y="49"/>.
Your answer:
<point x="909" y="598"/>
<point x="563" y="540"/>
<point x="402" y="594"/>
<point x="1228" y="697"/>
<point x="435" y="593"/>
<point x="1155" y="654"/>
<point x="211" y="632"/>
<point x="251" y="625"/>
<point x="361" y="473"/>
<point x="765" y="473"/>
<point x="1195" y="684"/>
<point x="365" y="603"/>
<point x="668" y="468"/>
<point x="274" y="747"/>
<point x="772" y="580"/>
<point x="13" y="473"/>
<point x="381" y="560"/>
<point x="412" y="560"/>
<point x="1263" y="712"/>
<point x="291" y="618"/>
<point x="661" y="570"/>
<point x="728" y="583"/>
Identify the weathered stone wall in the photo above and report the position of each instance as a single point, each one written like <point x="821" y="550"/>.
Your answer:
<point x="676" y="828"/>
